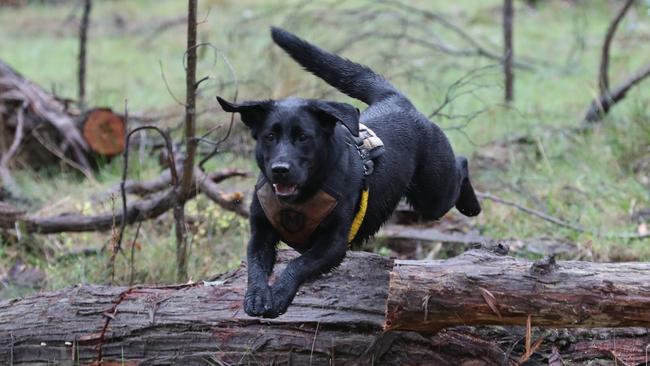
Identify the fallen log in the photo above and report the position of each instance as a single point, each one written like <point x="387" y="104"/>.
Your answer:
<point x="482" y="287"/>
<point x="49" y="124"/>
<point x="144" y="209"/>
<point x="335" y="319"/>
<point x="42" y="111"/>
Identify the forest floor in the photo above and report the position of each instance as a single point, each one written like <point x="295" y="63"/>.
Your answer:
<point x="598" y="179"/>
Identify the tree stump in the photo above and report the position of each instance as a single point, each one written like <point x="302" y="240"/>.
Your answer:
<point x="104" y="131"/>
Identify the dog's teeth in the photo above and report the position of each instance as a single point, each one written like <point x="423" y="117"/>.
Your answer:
<point x="284" y="189"/>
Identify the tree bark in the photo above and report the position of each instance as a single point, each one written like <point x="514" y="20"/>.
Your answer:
<point x="190" y="142"/>
<point x="329" y="323"/>
<point x="336" y="318"/>
<point x="83" y="38"/>
<point x="480" y="287"/>
<point x="508" y="56"/>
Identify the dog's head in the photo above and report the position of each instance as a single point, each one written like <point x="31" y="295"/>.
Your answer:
<point x="294" y="139"/>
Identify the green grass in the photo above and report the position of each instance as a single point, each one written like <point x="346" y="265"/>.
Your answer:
<point x="595" y="179"/>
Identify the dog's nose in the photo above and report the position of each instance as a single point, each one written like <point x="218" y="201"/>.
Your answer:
<point x="280" y="169"/>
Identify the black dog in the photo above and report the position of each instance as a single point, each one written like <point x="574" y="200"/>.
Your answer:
<point x="309" y="160"/>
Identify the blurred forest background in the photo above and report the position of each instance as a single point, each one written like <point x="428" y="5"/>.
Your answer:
<point x="551" y="182"/>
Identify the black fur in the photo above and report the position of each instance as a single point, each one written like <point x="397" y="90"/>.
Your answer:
<point x="299" y="144"/>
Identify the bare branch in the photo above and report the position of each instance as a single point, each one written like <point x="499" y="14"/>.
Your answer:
<point x="210" y="189"/>
<point x="133" y="244"/>
<point x="453" y="92"/>
<point x="163" y="182"/>
<point x="478" y="49"/>
<point x="61" y="155"/>
<point x="169" y="90"/>
<point x="608" y="98"/>
<point x="557" y="221"/>
<point x="125" y="168"/>
<point x="605" y="102"/>
<point x="603" y="77"/>
<point x="5" y="175"/>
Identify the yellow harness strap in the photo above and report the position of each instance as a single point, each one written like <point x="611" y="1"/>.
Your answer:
<point x="358" y="218"/>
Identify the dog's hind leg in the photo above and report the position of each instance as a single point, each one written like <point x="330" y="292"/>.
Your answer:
<point x="467" y="202"/>
<point x="435" y="189"/>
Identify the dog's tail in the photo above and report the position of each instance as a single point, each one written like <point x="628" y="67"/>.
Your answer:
<point x="355" y="80"/>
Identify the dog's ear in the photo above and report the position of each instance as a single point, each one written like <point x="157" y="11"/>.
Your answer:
<point x="253" y="113"/>
<point x="332" y="112"/>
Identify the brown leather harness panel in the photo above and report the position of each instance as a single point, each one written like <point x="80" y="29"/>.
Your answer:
<point x="295" y="222"/>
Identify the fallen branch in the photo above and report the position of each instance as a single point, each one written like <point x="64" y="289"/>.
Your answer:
<point x="141" y="210"/>
<point x="7" y="156"/>
<point x="559" y="222"/>
<point x="163" y="182"/>
<point x="208" y="187"/>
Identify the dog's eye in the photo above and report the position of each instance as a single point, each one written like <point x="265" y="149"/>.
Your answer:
<point x="270" y="137"/>
<point x="302" y="137"/>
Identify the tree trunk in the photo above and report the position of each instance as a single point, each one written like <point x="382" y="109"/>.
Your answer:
<point x="480" y="287"/>
<point x="335" y="319"/>
<point x="508" y="56"/>
<point x="190" y="142"/>
<point x="83" y="38"/>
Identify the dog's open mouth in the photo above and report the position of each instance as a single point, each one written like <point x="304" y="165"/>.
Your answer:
<point x="285" y="190"/>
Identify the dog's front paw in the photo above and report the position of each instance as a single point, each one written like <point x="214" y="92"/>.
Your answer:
<point x="258" y="300"/>
<point x="282" y="298"/>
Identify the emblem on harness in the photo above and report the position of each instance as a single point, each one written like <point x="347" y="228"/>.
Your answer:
<point x="292" y="220"/>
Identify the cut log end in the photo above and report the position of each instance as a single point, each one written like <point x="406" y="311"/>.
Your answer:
<point x="104" y="131"/>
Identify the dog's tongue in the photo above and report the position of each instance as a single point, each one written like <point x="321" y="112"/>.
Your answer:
<point x="284" y="189"/>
